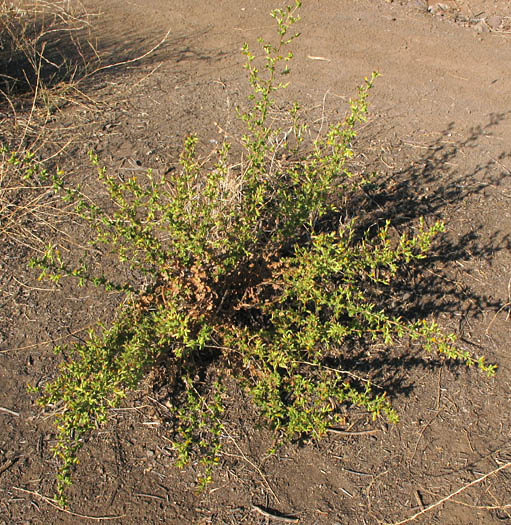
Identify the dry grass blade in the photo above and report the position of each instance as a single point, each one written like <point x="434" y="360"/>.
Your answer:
<point x="136" y="59"/>
<point x="52" y="503"/>
<point x="243" y="455"/>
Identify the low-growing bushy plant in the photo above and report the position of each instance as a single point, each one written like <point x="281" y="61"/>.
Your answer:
<point x="248" y="269"/>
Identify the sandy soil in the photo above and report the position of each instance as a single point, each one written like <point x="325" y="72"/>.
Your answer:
<point x="439" y="134"/>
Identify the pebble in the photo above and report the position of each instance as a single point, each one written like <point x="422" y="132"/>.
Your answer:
<point x="437" y="9"/>
<point x="421" y="4"/>
<point x="494" y="21"/>
<point x="481" y="27"/>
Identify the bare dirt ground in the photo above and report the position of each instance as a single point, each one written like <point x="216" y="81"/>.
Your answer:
<point x="439" y="134"/>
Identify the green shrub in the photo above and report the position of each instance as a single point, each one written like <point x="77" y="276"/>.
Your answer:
<point x="245" y="272"/>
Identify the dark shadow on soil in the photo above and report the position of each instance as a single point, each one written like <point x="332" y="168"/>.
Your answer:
<point x="430" y="188"/>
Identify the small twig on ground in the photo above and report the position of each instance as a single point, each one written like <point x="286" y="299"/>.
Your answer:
<point x="324" y="59"/>
<point x="499" y="506"/>
<point x="243" y="455"/>
<point x="418" y="497"/>
<point x="501" y="165"/>
<point x="482" y="507"/>
<point x="51" y="341"/>
<point x="351" y="471"/>
<point x="152" y="496"/>
<point x="450" y="496"/>
<point x="53" y="503"/>
<point x="345" y="372"/>
<point x="421" y="433"/>
<point x="439" y="390"/>
<point x="33" y="287"/>
<point x="8" y="464"/>
<point x="7" y="411"/>
<point x="322" y="114"/>
<point x="272" y="516"/>
<point x="136" y="59"/>
<point x="503" y="307"/>
<point x="354" y="432"/>
<point x="346" y="492"/>
<point x="34" y="100"/>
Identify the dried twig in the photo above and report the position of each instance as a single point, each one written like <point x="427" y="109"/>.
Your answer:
<point x="136" y="59"/>
<point x="51" y="341"/>
<point x="354" y="432"/>
<point x="482" y="507"/>
<point x="450" y="496"/>
<point x="152" y="496"/>
<point x="8" y="464"/>
<point x="421" y="433"/>
<point x="243" y="456"/>
<point x="323" y="59"/>
<point x="351" y="471"/>
<point x="503" y="307"/>
<point x="8" y="411"/>
<point x="54" y="504"/>
<point x="272" y="516"/>
<point x="418" y="497"/>
<point x="344" y="372"/>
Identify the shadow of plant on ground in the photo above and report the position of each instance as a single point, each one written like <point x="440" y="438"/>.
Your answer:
<point x="430" y="188"/>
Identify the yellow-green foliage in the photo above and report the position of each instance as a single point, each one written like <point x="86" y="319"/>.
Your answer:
<point x="240" y="273"/>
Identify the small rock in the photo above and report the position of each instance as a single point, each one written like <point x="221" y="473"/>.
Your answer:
<point x="421" y="4"/>
<point x="494" y="22"/>
<point x="481" y="27"/>
<point x="438" y="9"/>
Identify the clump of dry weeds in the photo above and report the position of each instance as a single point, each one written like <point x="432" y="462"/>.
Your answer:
<point x="45" y="51"/>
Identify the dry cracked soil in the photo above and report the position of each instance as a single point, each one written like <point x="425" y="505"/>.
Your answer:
<point x="439" y="137"/>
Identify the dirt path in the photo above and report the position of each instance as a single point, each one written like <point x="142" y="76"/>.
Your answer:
<point x="439" y="134"/>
